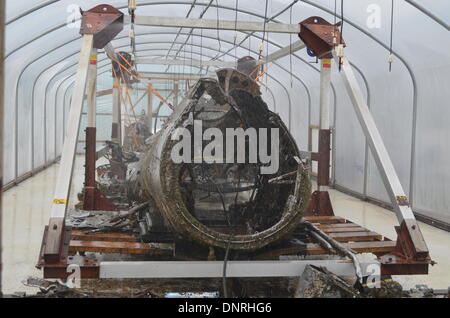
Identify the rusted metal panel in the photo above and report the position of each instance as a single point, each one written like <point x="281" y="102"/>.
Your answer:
<point x="344" y="229"/>
<point x="60" y="250"/>
<point x="52" y="240"/>
<point x="320" y="204"/>
<point x="104" y="21"/>
<point x="323" y="172"/>
<point x="159" y="249"/>
<point x="355" y="236"/>
<point x="162" y="181"/>
<point x="318" y="35"/>
<point x="89" y="171"/>
<point x="404" y="269"/>
<point x="324" y="219"/>
<point x="80" y="235"/>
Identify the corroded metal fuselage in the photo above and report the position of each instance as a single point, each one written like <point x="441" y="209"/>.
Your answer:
<point x="228" y="201"/>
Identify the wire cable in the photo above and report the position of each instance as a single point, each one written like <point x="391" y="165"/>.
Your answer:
<point x="390" y="58"/>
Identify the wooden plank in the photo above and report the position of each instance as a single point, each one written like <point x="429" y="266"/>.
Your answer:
<point x="359" y="247"/>
<point x="356" y="236"/>
<point x="121" y="247"/>
<point x="337" y="225"/>
<point x="344" y="229"/>
<point x="78" y="235"/>
<point x="325" y="219"/>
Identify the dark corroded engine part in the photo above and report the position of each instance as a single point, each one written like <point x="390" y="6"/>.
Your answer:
<point x="222" y="204"/>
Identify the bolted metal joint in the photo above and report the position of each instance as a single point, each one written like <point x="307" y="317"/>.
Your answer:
<point x="104" y="22"/>
<point x="320" y="36"/>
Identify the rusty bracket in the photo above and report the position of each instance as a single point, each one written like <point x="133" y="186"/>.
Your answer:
<point x="320" y="36"/>
<point x="410" y="257"/>
<point x="93" y="197"/>
<point x="57" y="258"/>
<point x="104" y="22"/>
<point x="320" y="204"/>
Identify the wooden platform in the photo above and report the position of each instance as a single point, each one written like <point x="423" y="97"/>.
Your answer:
<point x="351" y="235"/>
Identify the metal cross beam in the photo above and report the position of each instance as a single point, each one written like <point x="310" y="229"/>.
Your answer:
<point x="174" y="76"/>
<point x="188" y="62"/>
<point x="296" y="46"/>
<point x="210" y="269"/>
<point x="214" y="24"/>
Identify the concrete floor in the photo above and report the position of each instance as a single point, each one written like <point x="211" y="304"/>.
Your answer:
<point x="26" y="210"/>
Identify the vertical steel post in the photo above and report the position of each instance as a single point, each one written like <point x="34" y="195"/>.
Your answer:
<point x="2" y="96"/>
<point x="176" y="88"/>
<point x="323" y="176"/>
<point x="63" y="184"/>
<point x="320" y="203"/>
<point x="124" y="115"/>
<point x="91" y="148"/>
<point x="150" y="108"/>
<point x="115" y="129"/>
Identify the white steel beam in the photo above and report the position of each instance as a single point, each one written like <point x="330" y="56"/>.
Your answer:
<point x="214" y="269"/>
<point x="178" y="22"/>
<point x="325" y="99"/>
<point x="285" y="51"/>
<point x="116" y="135"/>
<point x="296" y="46"/>
<point x="188" y="62"/>
<point x="150" y="109"/>
<point x="91" y="88"/>
<point x="64" y="179"/>
<point x="174" y="76"/>
<point x="110" y="51"/>
<point x="376" y="144"/>
<point x="125" y="113"/>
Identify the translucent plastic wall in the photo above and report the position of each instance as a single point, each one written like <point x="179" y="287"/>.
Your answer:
<point x="410" y="103"/>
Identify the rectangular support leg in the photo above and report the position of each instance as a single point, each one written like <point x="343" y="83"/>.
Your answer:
<point x="64" y="179"/>
<point x="385" y="166"/>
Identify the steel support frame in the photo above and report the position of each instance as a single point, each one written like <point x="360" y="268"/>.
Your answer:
<point x="211" y="24"/>
<point x="411" y="252"/>
<point x="90" y="160"/>
<point x="2" y="95"/>
<point x="93" y="198"/>
<point x="392" y="183"/>
<point x="93" y="269"/>
<point x="53" y="240"/>
<point x="214" y="269"/>
<point x="320" y="203"/>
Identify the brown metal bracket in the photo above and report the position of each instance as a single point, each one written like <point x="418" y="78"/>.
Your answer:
<point x="104" y="21"/>
<point x="320" y="203"/>
<point x="93" y="198"/>
<point x="411" y="256"/>
<point x="320" y="36"/>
